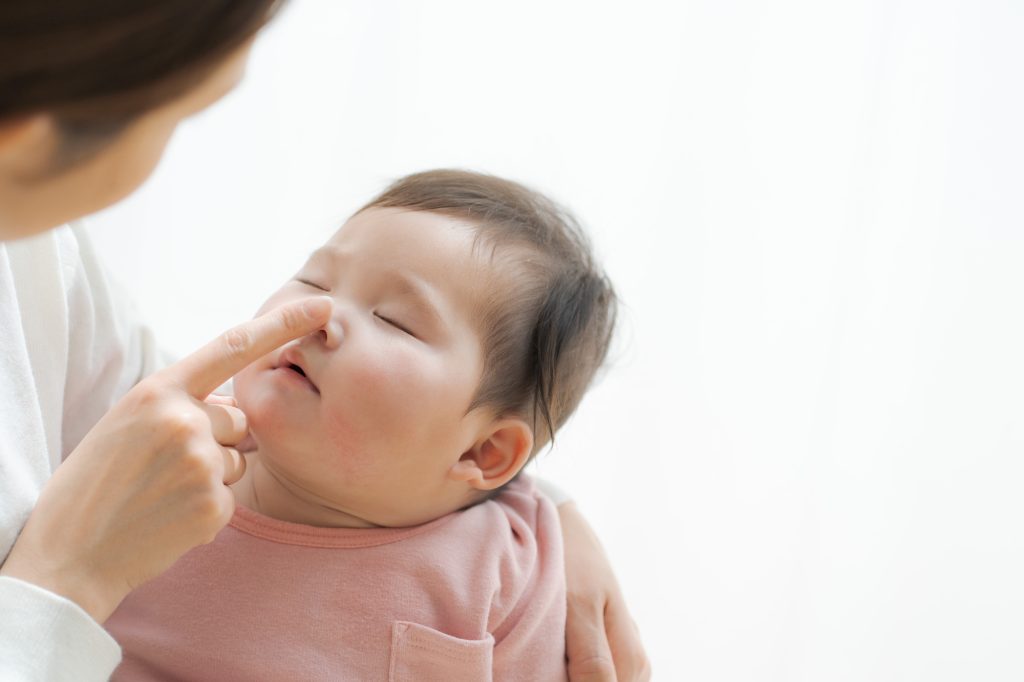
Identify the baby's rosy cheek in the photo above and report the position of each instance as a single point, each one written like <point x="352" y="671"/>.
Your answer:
<point x="372" y="410"/>
<point x="390" y="387"/>
<point x="262" y="408"/>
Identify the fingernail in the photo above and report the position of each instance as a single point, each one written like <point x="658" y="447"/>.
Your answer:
<point x="316" y="307"/>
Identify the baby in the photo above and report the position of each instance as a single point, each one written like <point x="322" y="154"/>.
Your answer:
<point x="371" y="541"/>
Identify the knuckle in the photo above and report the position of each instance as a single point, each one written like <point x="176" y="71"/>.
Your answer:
<point x="597" y="667"/>
<point x="237" y="341"/>
<point x="215" y="515"/>
<point x="292" y="318"/>
<point x="207" y="509"/>
<point x="147" y="393"/>
<point x="194" y="470"/>
<point x="200" y="469"/>
<point x="209" y="512"/>
<point x="584" y="602"/>
<point x="182" y="426"/>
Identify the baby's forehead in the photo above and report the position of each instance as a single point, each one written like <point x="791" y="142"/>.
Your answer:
<point x="446" y="252"/>
<point x="416" y="240"/>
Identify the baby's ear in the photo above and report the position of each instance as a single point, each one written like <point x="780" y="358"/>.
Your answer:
<point x="497" y="456"/>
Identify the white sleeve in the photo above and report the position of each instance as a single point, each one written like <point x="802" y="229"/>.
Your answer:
<point x="109" y="350"/>
<point x="76" y="346"/>
<point x="552" y="491"/>
<point x="46" y="637"/>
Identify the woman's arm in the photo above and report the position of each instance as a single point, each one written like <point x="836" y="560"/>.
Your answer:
<point x="602" y="641"/>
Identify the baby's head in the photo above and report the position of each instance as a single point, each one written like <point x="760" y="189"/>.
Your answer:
<point x="469" y="319"/>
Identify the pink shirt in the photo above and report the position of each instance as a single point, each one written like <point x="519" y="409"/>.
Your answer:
<point x="475" y="595"/>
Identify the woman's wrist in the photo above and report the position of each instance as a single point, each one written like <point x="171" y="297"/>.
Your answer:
<point x="98" y="597"/>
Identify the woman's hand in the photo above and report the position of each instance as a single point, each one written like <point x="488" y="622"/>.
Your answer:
<point x="147" y="483"/>
<point x="601" y="640"/>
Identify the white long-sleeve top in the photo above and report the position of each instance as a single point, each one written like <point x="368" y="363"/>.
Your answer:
<point x="70" y="346"/>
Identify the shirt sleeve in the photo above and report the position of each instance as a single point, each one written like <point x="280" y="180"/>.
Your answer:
<point x="46" y="637"/>
<point x="557" y="495"/>
<point x="110" y="347"/>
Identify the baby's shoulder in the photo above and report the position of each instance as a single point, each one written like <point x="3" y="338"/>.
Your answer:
<point x="517" y="521"/>
<point x="516" y="545"/>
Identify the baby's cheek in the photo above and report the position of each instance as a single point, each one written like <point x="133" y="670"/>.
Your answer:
<point x="263" y="414"/>
<point x="378" y="408"/>
<point x="393" y="388"/>
<point x="352" y="438"/>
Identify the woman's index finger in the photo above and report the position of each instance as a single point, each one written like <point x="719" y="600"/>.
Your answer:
<point x="219" y="360"/>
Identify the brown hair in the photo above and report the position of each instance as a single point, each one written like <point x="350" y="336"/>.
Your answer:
<point x="97" y="65"/>
<point x="545" y="337"/>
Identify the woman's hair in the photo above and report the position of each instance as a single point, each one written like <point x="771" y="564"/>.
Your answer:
<point x="547" y="333"/>
<point x="96" y="65"/>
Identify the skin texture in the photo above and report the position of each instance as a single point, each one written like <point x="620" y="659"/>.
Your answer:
<point x="376" y="429"/>
<point x="135" y="509"/>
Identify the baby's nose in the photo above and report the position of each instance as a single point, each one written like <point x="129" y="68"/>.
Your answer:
<point x="331" y="334"/>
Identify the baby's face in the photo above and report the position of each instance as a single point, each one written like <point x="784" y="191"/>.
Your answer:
<point x="368" y="415"/>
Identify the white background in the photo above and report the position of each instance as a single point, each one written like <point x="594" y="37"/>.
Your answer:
<point x="805" y="460"/>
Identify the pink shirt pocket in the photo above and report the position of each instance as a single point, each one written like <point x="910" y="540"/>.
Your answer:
<point x="422" y="654"/>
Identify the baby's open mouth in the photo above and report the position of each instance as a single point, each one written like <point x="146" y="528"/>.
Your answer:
<point x="292" y="367"/>
<point x="288" y="364"/>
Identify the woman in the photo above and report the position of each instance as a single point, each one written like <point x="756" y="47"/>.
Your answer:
<point x="90" y="93"/>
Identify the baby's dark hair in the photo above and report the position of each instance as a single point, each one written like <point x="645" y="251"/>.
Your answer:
<point x="548" y="334"/>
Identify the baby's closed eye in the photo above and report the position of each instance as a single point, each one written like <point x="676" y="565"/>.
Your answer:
<point x="394" y="323"/>
<point x="310" y="283"/>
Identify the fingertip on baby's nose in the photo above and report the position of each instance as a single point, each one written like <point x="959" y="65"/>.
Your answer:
<point x="318" y="307"/>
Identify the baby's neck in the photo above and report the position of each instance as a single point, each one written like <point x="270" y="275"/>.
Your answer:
<point x="261" y="490"/>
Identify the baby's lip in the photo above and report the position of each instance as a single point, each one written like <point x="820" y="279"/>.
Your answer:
<point x="291" y="360"/>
